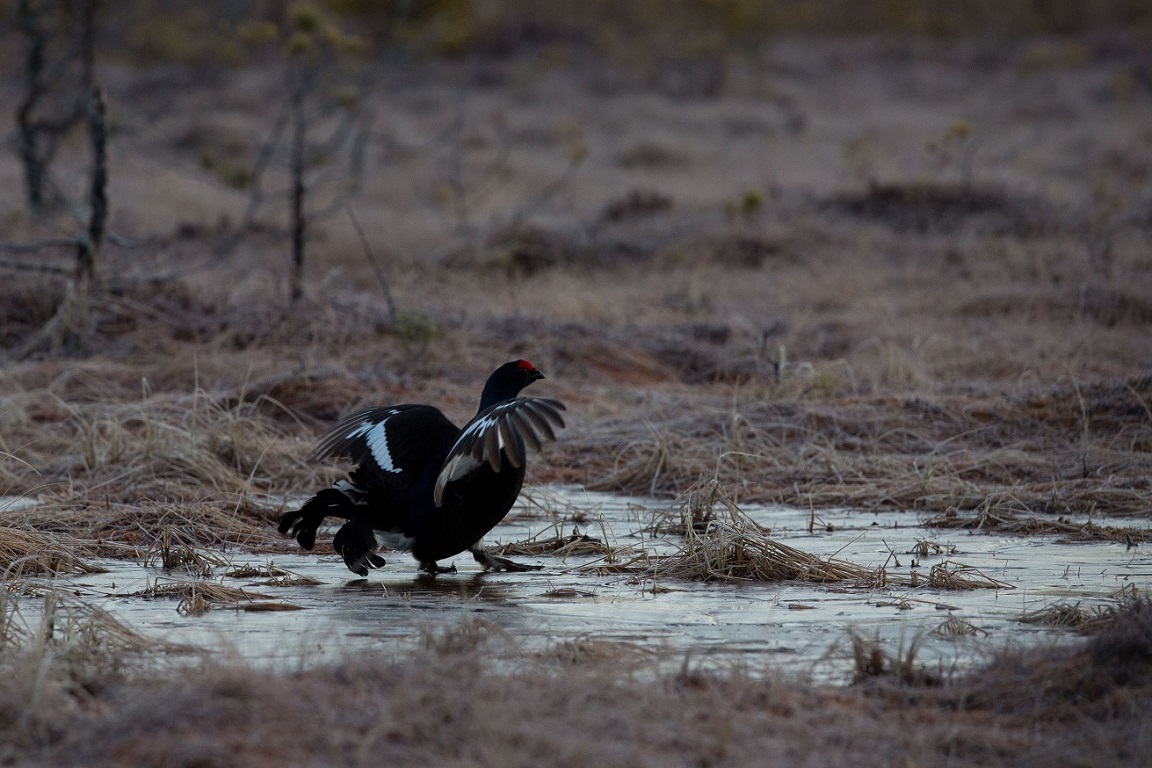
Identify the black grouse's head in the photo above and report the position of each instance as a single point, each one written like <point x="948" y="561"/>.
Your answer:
<point x="507" y="381"/>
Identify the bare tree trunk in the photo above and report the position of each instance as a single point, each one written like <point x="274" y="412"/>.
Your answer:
<point x="38" y="137"/>
<point x="86" y="43"/>
<point x="298" y="161"/>
<point x="30" y="25"/>
<point x="97" y="116"/>
<point x="98" y="192"/>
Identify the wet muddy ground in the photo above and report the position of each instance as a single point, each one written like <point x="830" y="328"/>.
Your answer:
<point x="609" y="600"/>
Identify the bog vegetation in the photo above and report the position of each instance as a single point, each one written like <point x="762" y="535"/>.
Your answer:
<point x="878" y="255"/>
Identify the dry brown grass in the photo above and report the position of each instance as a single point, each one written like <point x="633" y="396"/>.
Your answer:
<point x="1008" y="521"/>
<point x="171" y="553"/>
<point x="24" y="552"/>
<point x="739" y="552"/>
<point x="455" y="700"/>
<point x="575" y="543"/>
<point x="871" y="660"/>
<point x="878" y="332"/>
<point x="720" y="543"/>
<point x="198" y="597"/>
<point x="131" y="529"/>
<point x="954" y="626"/>
<point x="1085" y="620"/>
<point x="998" y="352"/>
<point x="1001" y="459"/>
<point x="105" y="438"/>
<point x="273" y="576"/>
<point x="949" y="575"/>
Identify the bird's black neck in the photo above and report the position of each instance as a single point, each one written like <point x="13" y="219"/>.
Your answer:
<point x="496" y="391"/>
<point x="500" y="387"/>
<point x="506" y="382"/>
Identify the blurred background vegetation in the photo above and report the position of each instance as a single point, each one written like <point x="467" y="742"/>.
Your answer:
<point x="228" y="33"/>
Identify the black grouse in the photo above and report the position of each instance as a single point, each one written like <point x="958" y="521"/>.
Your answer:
<point x="422" y="484"/>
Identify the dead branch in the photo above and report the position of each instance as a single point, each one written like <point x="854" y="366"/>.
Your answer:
<point x="376" y="268"/>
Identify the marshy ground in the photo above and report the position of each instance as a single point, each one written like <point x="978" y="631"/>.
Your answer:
<point x="905" y="278"/>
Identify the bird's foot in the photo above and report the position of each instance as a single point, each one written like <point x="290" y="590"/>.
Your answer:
<point x="431" y="568"/>
<point x="366" y="561"/>
<point x="490" y="562"/>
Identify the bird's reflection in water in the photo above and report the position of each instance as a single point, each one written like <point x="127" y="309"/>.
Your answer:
<point x="476" y="586"/>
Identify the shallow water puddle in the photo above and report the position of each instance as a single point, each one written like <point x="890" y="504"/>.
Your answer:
<point x="796" y="626"/>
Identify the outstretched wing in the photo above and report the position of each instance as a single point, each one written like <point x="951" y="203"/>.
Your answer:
<point x="498" y="434"/>
<point x="391" y="444"/>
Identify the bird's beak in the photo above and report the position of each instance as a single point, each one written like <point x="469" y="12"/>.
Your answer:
<point x="536" y="376"/>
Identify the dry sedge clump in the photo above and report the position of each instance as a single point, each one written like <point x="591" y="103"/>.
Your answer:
<point x="962" y="577"/>
<point x="12" y="630"/>
<point x="696" y="509"/>
<point x="740" y="551"/>
<point x="872" y="661"/>
<point x="1073" y="616"/>
<point x="92" y="628"/>
<point x="173" y="553"/>
<point x="28" y="552"/>
<point x="638" y="466"/>
<point x="576" y="544"/>
<point x="273" y="576"/>
<point x="67" y="621"/>
<point x="954" y="626"/>
<point x="726" y="544"/>
<point x="55" y="661"/>
<point x="198" y="597"/>
<point x="925" y="548"/>
<point x="1109" y="674"/>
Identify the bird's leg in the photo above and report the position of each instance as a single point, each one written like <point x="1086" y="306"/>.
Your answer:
<point x="430" y="567"/>
<point x="491" y="562"/>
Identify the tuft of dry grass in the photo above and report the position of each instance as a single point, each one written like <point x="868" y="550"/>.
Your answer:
<point x="926" y="548"/>
<point x="954" y="626"/>
<point x="721" y="543"/>
<point x="273" y="576"/>
<point x="113" y="443"/>
<point x="871" y="660"/>
<point x="575" y="543"/>
<point x="75" y="629"/>
<point x="696" y="509"/>
<point x="173" y="554"/>
<point x="24" y="552"/>
<point x="948" y="575"/>
<point x="1085" y="620"/>
<point x="198" y="597"/>
<point x="742" y="552"/>
<point x="1085" y="703"/>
